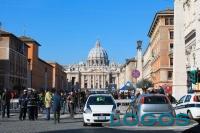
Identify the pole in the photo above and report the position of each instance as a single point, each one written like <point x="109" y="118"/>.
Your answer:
<point x="197" y="78"/>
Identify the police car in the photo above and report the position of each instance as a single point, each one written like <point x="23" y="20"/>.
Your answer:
<point x="190" y="105"/>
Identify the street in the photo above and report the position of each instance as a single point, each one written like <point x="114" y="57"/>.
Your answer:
<point x="13" y="125"/>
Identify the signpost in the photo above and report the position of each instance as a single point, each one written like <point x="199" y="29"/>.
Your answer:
<point x="135" y="73"/>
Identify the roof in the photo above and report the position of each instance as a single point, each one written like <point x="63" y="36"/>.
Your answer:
<point x="28" y="39"/>
<point x="156" y="17"/>
<point x="5" y="33"/>
<point x="44" y="62"/>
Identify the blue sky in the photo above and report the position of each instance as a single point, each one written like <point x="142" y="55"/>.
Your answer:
<point x="68" y="29"/>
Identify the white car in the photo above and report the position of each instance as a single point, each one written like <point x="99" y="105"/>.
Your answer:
<point x="98" y="109"/>
<point x="190" y="105"/>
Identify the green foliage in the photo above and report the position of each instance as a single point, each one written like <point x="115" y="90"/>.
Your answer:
<point x="144" y="83"/>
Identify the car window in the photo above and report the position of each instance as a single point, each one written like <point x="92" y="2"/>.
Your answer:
<point x="188" y="98"/>
<point x="100" y="100"/>
<point x="197" y="98"/>
<point x="155" y="100"/>
<point x="181" y="100"/>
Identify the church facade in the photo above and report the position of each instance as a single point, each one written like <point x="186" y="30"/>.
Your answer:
<point x="96" y="73"/>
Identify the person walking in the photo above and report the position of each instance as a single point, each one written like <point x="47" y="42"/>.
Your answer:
<point x="6" y="96"/>
<point x="23" y="105"/>
<point x="31" y="105"/>
<point x="57" y="106"/>
<point x="36" y="98"/>
<point x="70" y="101"/>
<point x="48" y="103"/>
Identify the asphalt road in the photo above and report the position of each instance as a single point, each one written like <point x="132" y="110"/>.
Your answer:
<point x="67" y="125"/>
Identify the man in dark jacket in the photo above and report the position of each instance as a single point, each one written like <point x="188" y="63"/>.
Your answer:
<point x="31" y="105"/>
<point x="6" y="96"/>
<point x="57" y="106"/>
<point x="23" y="105"/>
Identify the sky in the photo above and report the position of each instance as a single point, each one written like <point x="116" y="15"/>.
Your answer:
<point x="68" y="29"/>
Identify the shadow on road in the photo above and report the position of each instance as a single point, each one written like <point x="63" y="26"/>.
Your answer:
<point x="105" y="130"/>
<point x="195" y="129"/>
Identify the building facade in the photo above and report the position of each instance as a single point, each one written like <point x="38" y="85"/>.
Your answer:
<point x="157" y="59"/>
<point x="97" y="72"/>
<point x="187" y="43"/>
<point x="13" y="62"/>
<point x="126" y="72"/>
<point x="59" y="76"/>
<point x="40" y="75"/>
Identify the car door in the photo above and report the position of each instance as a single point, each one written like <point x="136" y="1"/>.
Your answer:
<point x="180" y="105"/>
<point x="186" y="103"/>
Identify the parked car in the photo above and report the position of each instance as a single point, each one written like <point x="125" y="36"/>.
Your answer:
<point x="156" y="104"/>
<point x="98" y="109"/>
<point x="190" y="105"/>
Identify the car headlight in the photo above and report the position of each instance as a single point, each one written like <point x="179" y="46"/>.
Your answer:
<point x="88" y="110"/>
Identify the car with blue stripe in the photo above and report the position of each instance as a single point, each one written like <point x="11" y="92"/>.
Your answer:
<point x="190" y="105"/>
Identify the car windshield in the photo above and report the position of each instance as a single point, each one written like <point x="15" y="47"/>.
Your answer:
<point x="100" y="100"/>
<point x="155" y="100"/>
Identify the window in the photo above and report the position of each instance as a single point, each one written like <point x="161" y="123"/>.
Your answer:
<point x="188" y="98"/>
<point x="181" y="100"/>
<point x="170" y="73"/>
<point x="171" y="62"/>
<point x="171" y="46"/>
<point x="171" y="35"/>
<point x="166" y="21"/>
<point x="171" y="21"/>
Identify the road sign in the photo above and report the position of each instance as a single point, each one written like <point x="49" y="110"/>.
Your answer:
<point x="135" y="73"/>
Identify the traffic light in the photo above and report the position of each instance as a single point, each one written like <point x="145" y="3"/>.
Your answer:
<point x="193" y="76"/>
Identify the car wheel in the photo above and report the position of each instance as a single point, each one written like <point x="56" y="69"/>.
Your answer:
<point x="190" y="115"/>
<point x="85" y="124"/>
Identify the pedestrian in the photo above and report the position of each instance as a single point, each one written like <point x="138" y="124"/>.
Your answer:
<point x="23" y="105"/>
<point x="6" y="96"/>
<point x="31" y="104"/>
<point x="171" y="99"/>
<point x="48" y="103"/>
<point x="70" y="101"/>
<point x="57" y="106"/>
<point x="36" y="98"/>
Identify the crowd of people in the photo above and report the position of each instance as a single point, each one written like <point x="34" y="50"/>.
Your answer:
<point x="55" y="101"/>
<point x="32" y="102"/>
<point x="136" y="93"/>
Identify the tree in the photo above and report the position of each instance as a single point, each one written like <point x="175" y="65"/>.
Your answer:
<point x="144" y="83"/>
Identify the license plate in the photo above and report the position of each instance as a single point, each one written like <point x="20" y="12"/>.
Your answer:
<point x="101" y="118"/>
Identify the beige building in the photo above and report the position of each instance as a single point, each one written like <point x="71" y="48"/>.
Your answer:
<point x="187" y="44"/>
<point x="96" y="72"/>
<point x="157" y="59"/>
<point x="126" y="72"/>
<point x="40" y="75"/>
<point x="13" y="62"/>
<point x="59" y="76"/>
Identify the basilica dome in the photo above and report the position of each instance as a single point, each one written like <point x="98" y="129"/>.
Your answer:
<point x="97" y="56"/>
